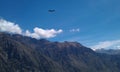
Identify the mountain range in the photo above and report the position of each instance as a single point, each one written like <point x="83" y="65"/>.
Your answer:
<point x="109" y="51"/>
<point x="24" y="54"/>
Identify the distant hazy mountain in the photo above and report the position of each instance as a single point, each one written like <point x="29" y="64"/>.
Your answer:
<point x="23" y="54"/>
<point x="109" y="51"/>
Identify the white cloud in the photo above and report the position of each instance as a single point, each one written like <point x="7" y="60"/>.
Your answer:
<point x="41" y="33"/>
<point x="75" y="30"/>
<point x="117" y="47"/>
<point x="7" y="26"/>
<point x="106" y="45"/>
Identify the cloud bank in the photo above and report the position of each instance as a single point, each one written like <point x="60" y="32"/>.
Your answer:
<point x="7" y="26"/>
<point x="41" y="33"/>
<point x="115" y="44"/>
<point x="10" y="27"/>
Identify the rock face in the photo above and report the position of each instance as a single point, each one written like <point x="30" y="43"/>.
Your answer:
<point x="23" y="54"/>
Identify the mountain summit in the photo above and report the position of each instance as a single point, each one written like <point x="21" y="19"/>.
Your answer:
<point x="24" y="54"/>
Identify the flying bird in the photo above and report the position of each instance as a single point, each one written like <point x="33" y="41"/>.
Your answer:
<point x="51" y="10"/>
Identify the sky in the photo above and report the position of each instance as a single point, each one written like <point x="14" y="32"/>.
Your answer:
<point x="93" y="23"/>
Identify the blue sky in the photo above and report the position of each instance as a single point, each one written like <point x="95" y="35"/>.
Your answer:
<point x="90" y="22"/>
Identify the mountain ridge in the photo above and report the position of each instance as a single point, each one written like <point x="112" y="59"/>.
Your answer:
<point x="109" y="51"/>
<point x="24" y="54"/>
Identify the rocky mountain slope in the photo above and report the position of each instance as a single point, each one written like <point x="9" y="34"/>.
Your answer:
<point x="23" y="54"/>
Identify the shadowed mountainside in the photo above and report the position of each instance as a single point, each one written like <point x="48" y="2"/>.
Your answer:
<point x="23" y="54"/>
